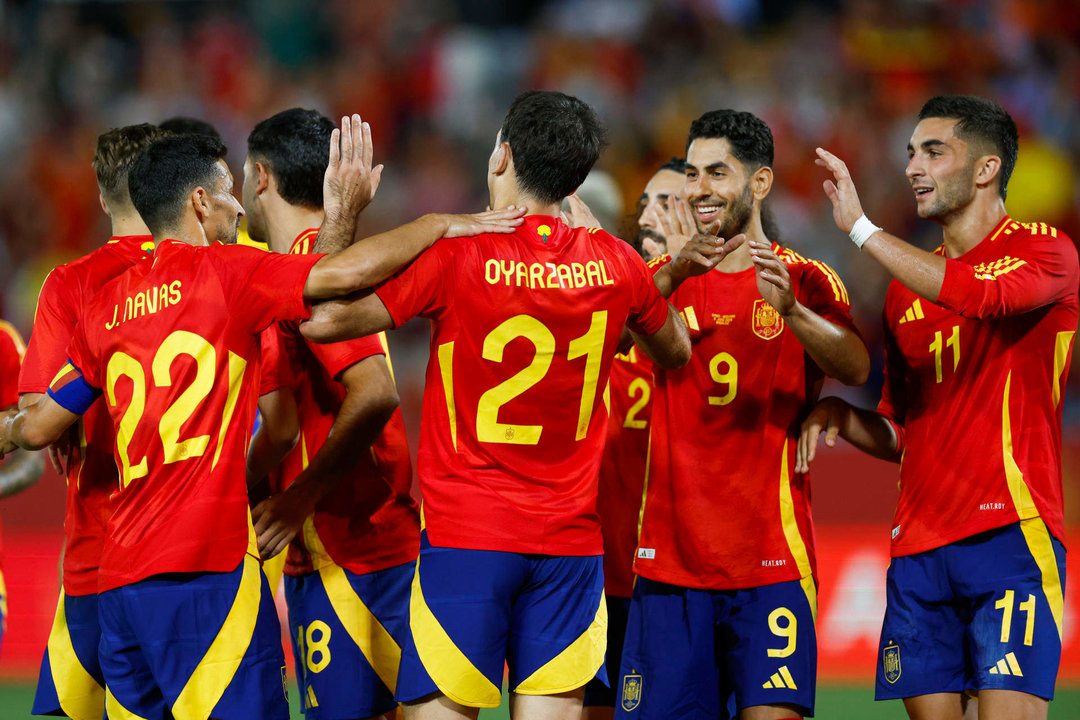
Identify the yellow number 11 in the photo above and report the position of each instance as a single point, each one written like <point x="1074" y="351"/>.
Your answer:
<point x="938" y="346"/>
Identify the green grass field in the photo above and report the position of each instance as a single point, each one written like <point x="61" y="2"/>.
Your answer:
<point x="833" y="703"/>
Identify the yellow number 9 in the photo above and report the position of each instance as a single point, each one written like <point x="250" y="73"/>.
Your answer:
<point x="788" y="630"/>
<point x="729" y="377"/>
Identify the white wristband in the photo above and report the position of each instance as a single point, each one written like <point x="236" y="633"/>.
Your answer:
<point x="862" y="230"/>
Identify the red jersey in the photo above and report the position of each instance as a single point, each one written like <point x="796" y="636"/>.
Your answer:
<point x="173" y="343"/>
<point x="91" y="470"/>
<point x="723" y="507"/>
<point x="974" y="385"/>
<point x="369" y="521"/>
<point x="524" y="330"/>
<point x="622" y="468"/>
<point x="11" y="355"/>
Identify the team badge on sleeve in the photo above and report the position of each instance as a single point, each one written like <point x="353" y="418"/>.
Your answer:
<point x="767" y="323"/>
<point x="631" y="692"/>
<point x="891" y="660"/>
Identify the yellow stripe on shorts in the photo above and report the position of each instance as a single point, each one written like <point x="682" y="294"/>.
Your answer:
<point x="79" y="694"/>
<point x="116" y="711"/>
<point x="574" y="666"/>
<point x="453" y="673"/>
<point x="215" y="671"/>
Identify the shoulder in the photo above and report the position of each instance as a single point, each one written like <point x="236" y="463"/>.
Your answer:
<point x="1039" y="232"/>
<point x="815" y="271"/>
<point x="11" y="342"/>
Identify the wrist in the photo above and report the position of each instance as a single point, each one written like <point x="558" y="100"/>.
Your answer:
<point x="862" y="230"/>
<point x="795" y="312"/>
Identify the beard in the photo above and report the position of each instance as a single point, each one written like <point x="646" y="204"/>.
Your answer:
<point x="952" y="195"/>
<point x="736" y="217"/>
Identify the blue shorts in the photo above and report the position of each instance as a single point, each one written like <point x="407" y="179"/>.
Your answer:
<point x="599" y="693"/>
<point x="711" y="653"/>
<point x="195" y="644"/>
<point x="981" y="613"/>
<point x="472" y="611"/>
<point x="347" y="631"/>
<point x="71" y="683"/>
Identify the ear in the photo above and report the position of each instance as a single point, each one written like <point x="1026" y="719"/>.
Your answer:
<point x="200" y="202"/>
<point x="761" y="182"/>
<point x="500" y="160"/>
<point x="104" y="206"/>
<point x="986" y="169"/>
<point x="263" y="178"/>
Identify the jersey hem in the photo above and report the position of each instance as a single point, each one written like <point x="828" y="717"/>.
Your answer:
<point x="578" y="549"/>
<point x="696" y="582"/>
<point x="898" y="550"/>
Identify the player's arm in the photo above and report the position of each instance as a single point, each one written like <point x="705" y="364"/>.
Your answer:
<point x="869" y="430"/>
<point x="276" y="436"/>
<point x="21" y="470"/>
<point x="370" y="401"/>
<point x="1037" y="280"/>
<point x="669" y="347"/>
<point x="35" y="426"/>
<point x="837" y="350"/>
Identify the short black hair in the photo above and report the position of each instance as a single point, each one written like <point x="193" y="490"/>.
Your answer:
<point x="165" y="173"/>
<point x="981" y="122"/>
<point x="183" y="125"/>
<point x="555" y="139"/>
<point x="294" y="145"/>
<point x="750" y="138"/>
<point x="675" y="164"/>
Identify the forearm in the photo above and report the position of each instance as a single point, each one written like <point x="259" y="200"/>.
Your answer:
<point x="265" y="454"/>
<point x="20" y="470"/>
<point x="921" y="272"/>
<point x="870" y="432"/>
<point x="838" y="351"/>
<point x="25" y="431"/>
<point x="373" y="259"/>
<point x="346" y="318"/>
<point x="667" y="281"/>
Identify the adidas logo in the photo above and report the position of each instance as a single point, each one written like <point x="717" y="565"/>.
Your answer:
<point x="1007" y="666"/>
<point x="913" y="313"/>
<point x="781" y="679"/>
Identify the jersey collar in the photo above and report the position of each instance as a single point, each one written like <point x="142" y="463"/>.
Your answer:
<point x="304" y="242"/>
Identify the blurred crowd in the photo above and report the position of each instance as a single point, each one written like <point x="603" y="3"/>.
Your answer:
<point x="434" y="78"/>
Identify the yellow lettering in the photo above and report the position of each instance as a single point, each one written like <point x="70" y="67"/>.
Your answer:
<point x="140" y="305"/>
<point x="603" y="272"/>
<point x="553" y="278"/>
<point x="491" y="271"/>
<point x="566" y="280"/>
<point x="508" y="271"/>
<point x="127" y="308"/>
<point x="536" y="276"/>
<point x="112" y="323"/>
<point x="579" y="274"/>
<point x="174" y="292"/>
<point x="164" y="301"/>
<point x="151" y="301"/>
<point x="593" y="271"/>
<point x="522" y="278"/>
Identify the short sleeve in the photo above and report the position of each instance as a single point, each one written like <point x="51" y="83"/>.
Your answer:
<point x="81" y="355"/>
<point x="338" y="357"/>
<point x="893" y="403"/>
<point x="822" y="290"/>
<point x="422" y="288"/>
<point x="78" y="383"/>
<point x="262" y="287"/>
<point x="11" y="350"/>
<point x="648" y="309"/>
<point x="54" y="323"/>
<point x="274" y="365"/>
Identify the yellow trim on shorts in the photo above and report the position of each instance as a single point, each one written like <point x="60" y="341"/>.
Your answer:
<point x="116" y="711"/>
<point x="574" y="666"/>
<point x="1036" y="535"/>
<point x="79" y="694"/>
<point x="274" y="568"/>
<point x="378" y="646"/>
<point x="453" y="673"/>
<point x="796" y="544"/>
<point x="215" y="671"/>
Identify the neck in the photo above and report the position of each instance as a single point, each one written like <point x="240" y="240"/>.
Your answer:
<point x="520" y="199"/>
<point x="968" y="227"/>
<point x="126" y="221"/>
<point x="740" y="259"/>
<point x="188" y="231"/>
<point x="285" y="222"/>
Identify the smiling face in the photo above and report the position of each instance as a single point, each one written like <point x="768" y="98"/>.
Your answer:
<point x="941" y="169"/>
<point x="222" y="224"/>
<point x="654" y="203"/>
<point x="718" y="188"/>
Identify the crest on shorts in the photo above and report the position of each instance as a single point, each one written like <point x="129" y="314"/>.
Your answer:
<point x="766" y="322"/>
<point x="891" y="662"/>
<point x="631" y="692"/>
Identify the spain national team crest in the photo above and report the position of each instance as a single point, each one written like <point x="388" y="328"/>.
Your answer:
<point x="766" y="322"/>
<point x="631" y="692"/>
<point x="891" y="660"/>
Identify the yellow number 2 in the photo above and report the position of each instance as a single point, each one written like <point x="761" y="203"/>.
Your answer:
<point x="638" y="386"/>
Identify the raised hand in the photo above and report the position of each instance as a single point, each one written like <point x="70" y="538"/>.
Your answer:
<point x="678" y="224"/>
<point x="826" y="416"/>
<point x="841" y="190"/>
<point x="350" y="182"/>
<point x="579" y="215"/>
<point x="490" y="221"/>
<point x="701" y="253"/>
<point x="773" y="280"/>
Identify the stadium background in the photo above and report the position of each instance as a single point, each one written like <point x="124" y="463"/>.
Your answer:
<point x="434" y="78"/>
